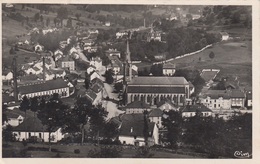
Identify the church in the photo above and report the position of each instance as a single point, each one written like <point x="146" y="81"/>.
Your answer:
<point x="153" y="89"/>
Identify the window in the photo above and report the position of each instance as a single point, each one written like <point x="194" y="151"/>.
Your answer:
<point x="40" y="135"/>
<point x="29" y="134"/>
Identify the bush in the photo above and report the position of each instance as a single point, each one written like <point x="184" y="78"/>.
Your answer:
<point x="76" y="151"/>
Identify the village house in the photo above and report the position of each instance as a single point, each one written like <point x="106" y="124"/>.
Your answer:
<point x="136" y="107"/>
<point x="97" y="62"/>
<point x="155" y="115"/>
<point x="14" y="117"/>
<point x="58" y="54"/>
<point x="116" y="65"/>
<point x="121" y="34"/>
<point x="168" y="69"/>
<point x="44" y="88"/>
<point x="131" y="130"/>
<point x="224" y="35"/>
<point x="154" y="35"/>
<point x="6" y="99"/>
<point x="67" y="62"/>
<point x="38" y="48"/>
<point x="94" y="75"/>
<point x="90" y="69"/>
<point x="7" y="75"/>
<point x="113" y="52"/>
<point x="192" y="110"/>
<point x="167" y="105"/>
<point x="32" y="127"/>
<point x="223" y="99"/>
<point x="249" y="99"/>
<point x="107" y="23"/>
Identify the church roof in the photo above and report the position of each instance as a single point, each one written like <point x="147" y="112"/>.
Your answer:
<point x="156" y="113"/>
<point x="158" y="80"/>
<point x="151" y="89"/>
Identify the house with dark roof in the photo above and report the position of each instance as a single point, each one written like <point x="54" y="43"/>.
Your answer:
<point x="7" y="99"/>
<point x="132" y="130"/>
<point x="67" y="62"/>
<point x="43" y="88"/>
<point x="14" y="117"/>
<point x="192" y="110"/>
<point x="136" y="107"/>
<point x="238" y="98"/>
<point x="168" y="69"/>
<point x="166" y="105"/>
<point x="92" y="96"/>
<point x="155" y="115"/>
<point x="153" y="89"/>
<point x="7" y="75"/>
<point x="33" y="127"/>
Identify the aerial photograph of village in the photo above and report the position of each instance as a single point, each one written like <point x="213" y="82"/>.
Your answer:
<point x="126" y="81"/>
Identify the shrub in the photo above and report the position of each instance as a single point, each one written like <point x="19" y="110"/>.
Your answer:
<point x="76" y="151"/>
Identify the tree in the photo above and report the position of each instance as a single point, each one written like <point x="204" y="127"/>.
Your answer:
<point x="36" y="17"/>
<point x="24" y="106"/>
<point x="69" y="23"/>
<point x="146" y="128"/>
<point x="62" y="14"/>
<point x="77" y="15"/>
<point x="41" y="18"/>
<point x="143" y="152"/>
<point x="174" y="124"/>
<point x="211" y="55"/>
<point x="87" y="81"/>
<point x="109" y="76"/>
<point x="48" y="22"/>
<point x="4" y="116"/>
<point x="34" y="105"/>
<point x="105" y="152"/>
<point x="12" y="51"/>
<point x="51" y="115"/>
<point x="118" y="87"/>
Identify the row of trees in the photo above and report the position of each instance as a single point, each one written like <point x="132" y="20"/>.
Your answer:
<point x="213" y="136"/>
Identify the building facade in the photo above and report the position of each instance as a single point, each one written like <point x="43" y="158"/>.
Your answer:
<point x="153" y="89"/>
<point x="46" y="88"/>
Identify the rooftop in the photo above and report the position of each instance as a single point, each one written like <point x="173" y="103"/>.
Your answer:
<point x="159" y="89"/>
<point x="133" y="125"/>
<point x="158" y="80"/>
<point x="137" y="104"/>
<point x="42" y="86"/>
<point x="156" y="113"/>
<point x="168" y="66"/>
<point x="196" y="108"/>
<point x="31" y="124"/>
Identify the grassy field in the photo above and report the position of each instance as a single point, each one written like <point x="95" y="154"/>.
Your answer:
<point x="234" y="59"/>
<point x="67" y="151"/>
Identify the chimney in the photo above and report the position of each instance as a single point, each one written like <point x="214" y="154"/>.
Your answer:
<point x="15" y="80"/>
<point x="44" y="69"/>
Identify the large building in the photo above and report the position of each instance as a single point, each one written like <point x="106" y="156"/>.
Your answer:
<point x="152" y="89"/>
<point x="44" y="88"/>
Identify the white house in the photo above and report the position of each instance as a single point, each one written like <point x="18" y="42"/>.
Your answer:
<point x="168" y="69"/>
<point x="94" y="75"/>
<point x="90" y="69"/>
<point x="33" y="127"/>
<point x="58" y="54"/>
<point x="97" y="62"/>
<point x="14" y="117"/>
<point x="107" y="23"/>
<point x="192" y="110"/>
<point x="121" y="34"/>
<point x="7" y="75"/>
<point x="38" y="48"/>
<point x="155" y="115"/>
<point x="167" y="105"/>
<point x="26" y="42"/>
<point x="131" y="130"/>
<point x="113" y="52"/>
<point x="224" y="35"/>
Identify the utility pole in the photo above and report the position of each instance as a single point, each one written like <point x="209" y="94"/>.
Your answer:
<point x="14" y="64"/>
